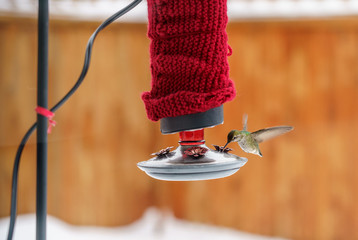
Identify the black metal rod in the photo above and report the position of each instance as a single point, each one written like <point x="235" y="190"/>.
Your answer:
<point x="42" y="101"/>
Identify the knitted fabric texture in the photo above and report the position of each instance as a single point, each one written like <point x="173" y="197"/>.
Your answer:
<point x="190" y="71"/>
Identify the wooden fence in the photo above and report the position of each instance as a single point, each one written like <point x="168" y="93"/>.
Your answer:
<point x="301" y="73"/>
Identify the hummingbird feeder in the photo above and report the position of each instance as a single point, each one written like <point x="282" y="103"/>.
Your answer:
<point x="192" y="160"/>
<point x="190" y="84"/>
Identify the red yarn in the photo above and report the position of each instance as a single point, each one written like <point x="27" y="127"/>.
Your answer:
<point x="190" y="71"/>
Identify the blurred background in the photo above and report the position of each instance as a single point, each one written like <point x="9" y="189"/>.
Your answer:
<point x="293" y="63"/>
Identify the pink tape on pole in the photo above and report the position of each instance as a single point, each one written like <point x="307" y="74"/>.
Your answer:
<point x="47" y="113"/>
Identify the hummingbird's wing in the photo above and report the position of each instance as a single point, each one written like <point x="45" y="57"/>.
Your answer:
<point x="268" y="133"/>
<point x="244" y="122"/>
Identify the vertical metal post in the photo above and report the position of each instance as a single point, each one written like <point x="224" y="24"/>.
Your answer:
<point x="42" y="101"/>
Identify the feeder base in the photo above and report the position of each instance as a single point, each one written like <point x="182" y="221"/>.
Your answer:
<point x="178" y="166"/>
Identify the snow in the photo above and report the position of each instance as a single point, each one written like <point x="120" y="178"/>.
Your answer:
<point x="238" y="10"/>
<point x="154" y="224"/>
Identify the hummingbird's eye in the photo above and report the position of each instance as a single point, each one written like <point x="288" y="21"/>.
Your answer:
<point x="238" y="137"/>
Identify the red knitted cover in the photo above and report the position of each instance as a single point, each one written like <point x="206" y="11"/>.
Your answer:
<point x="190" y="71"/>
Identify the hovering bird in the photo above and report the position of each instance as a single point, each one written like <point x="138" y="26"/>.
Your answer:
<point x="249" y="142"/>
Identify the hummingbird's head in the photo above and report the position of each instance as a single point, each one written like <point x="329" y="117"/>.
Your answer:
<point x="232" y="136"/>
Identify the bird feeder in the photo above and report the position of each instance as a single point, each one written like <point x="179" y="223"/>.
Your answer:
<point x="190" y="84"/>
<point x="192" y="159"/>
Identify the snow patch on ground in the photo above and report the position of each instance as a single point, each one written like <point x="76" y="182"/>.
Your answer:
<point x="154" y="225"/>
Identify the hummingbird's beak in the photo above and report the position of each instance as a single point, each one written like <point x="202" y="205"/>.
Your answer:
<point x="226" y="144"/>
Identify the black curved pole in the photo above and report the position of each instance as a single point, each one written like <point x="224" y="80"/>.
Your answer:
<point x="42" y="101"/>
<point x="42" y="167"/>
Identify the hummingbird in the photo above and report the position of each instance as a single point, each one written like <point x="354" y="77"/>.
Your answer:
<point x="249" y="142"/>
